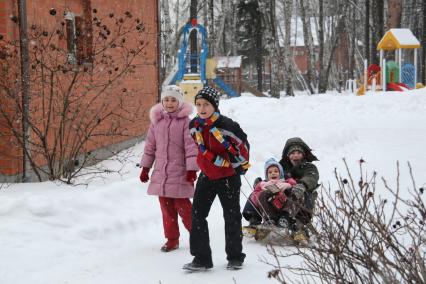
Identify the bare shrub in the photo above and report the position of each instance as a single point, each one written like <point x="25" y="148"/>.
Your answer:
<point x="366" y="232"/>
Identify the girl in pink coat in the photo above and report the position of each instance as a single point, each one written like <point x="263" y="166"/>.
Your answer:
<point x="170" y="145"/>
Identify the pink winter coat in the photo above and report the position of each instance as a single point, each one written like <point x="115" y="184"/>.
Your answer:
<point x="170" y="145"/>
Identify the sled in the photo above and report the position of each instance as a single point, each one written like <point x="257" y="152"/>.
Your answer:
<point x="275" y="235"/>
<point x="269" y="234"/>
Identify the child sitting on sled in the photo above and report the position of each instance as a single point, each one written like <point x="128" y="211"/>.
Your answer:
<point x="274" y="182"/>
<point x="290" y="207"/>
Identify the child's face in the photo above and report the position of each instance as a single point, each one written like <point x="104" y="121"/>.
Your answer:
<point x="170" y="104"/>
<point x="295" y="157"/>
<point x="204" y="108"/>
<point x="273" y="172"/>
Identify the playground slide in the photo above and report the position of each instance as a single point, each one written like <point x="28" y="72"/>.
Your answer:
<point x="170" y="79"/>
<point x="225" y="87"/>
<point x="404" y="86"/>
<point x="394" y="87"/>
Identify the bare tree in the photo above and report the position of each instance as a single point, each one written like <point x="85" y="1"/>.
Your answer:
<point x="223" y="30"/>
<point x="167" y="38"/>
<point x="76" y="76"/>
<point x="378" y="28"/>
<point x="288" y="8"/>
<point x="309" y="43"/>
<point x="364" y="233"/>
<point x="211" y="38"/>
<point x="394" y="14"/>
<point x="334" y="40"/>
<point x="322" y="84"/>
<point x="193" y="37"/>
<point x="367" y="31"/>
<point x="268" y="11"/>
<point x="234" y="28"/>
<point x="352" y="43"/>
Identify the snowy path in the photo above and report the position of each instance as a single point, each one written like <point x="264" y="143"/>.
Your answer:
<point x="111" y="231"/>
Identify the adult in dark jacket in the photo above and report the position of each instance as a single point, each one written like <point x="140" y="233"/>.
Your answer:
<point x="297" y="163"/>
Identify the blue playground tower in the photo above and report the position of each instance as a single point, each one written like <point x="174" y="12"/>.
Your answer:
<point x="188" y="62"/>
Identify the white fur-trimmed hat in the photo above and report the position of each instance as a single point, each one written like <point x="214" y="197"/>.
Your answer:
<point x="173" y="91"/>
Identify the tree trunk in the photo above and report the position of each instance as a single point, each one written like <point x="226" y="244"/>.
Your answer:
<point x="352" y="44"/>
<point x="25" y="89"/>
<point x="378" y="23"/>
<point x="287" y="49"/>
<point x="309" y="43"/>
<point x="322" y="85"/>
<point x="221" y="42"/>
<point x="205" y="14"/>
<point x="177" y="19"/>
<point x="193" y="36"/>
<point x="234" y="46"/>
<point x="167" y="35"/>
<point x="335" y="42"/>
<point x="267" y="8"/>
<point x="394" y="14"/>
<point x="367" y="31"/>
<point x="259" y="53"/>
<point x="211" y="36"/>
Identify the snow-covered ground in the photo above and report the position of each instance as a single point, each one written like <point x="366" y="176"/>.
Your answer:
<point x="111" y="230"/>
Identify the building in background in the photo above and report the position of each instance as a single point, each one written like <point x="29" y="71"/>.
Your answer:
<point x="76" y="15"/>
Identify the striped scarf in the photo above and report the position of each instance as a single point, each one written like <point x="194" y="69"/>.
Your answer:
<point x="216" y="159"/>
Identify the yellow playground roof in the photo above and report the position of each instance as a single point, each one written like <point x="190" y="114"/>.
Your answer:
<point x="398" y="38"/>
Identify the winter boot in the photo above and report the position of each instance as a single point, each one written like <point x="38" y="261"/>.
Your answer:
<point x="194" y="266"/>
<point x="300" y="237"/>
<point x="170" y="245"/>
<point x="235" y="265"/>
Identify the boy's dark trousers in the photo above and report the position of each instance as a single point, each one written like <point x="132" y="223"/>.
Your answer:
<point x="228" y="190"/>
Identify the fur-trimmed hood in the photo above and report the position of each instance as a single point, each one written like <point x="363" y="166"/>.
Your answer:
<point x="157" y="112"/>
<point x="296" y="141"/>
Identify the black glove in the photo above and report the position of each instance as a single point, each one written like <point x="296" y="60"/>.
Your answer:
<point x="288" y="191"/>
<point x="299" y="191"/>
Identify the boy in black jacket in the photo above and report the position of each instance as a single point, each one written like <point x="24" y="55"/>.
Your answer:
<point x="223" y="154"/>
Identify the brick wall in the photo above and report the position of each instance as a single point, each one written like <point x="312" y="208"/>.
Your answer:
<point x="3" y="17"/>
<point x="145" y="79"/>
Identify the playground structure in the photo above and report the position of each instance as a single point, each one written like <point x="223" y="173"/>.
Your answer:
<point x="194" y="70"/>
<point x="392" y="75"/>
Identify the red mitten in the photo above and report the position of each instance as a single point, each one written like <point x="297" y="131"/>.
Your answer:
<point x="279" y="200"/>
<point x="191" y="176"/>
<point x="144" y="175"/>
